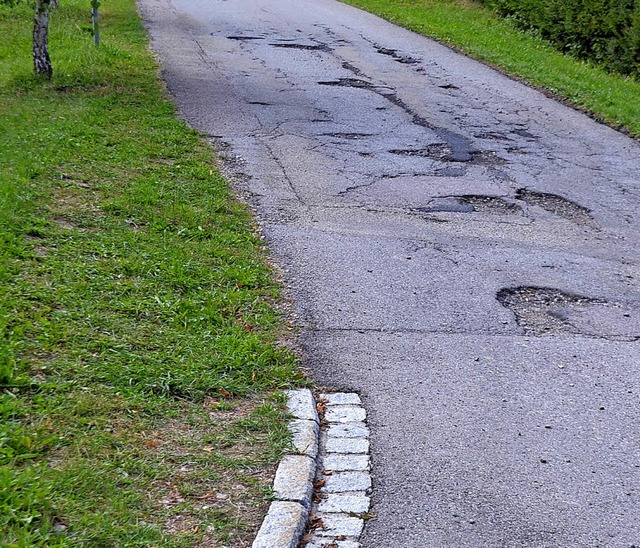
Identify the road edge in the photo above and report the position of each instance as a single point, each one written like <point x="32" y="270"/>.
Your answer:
<point x="286" y="520"/>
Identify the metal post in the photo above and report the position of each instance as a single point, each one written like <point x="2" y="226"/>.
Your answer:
<point x="95" y="4"/>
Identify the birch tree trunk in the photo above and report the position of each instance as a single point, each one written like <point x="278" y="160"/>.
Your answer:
<point x="41" y="59"/>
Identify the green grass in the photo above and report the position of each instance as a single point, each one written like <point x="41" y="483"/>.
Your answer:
<point x="138" y="339"/>
<point x="477" y="31"/>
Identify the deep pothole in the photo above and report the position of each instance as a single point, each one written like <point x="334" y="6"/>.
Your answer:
<point x="557" y="205"/>
<point x="544" y="310"/>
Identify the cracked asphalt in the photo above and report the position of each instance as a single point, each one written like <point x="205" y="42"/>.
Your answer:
<point x="463" y="252"/>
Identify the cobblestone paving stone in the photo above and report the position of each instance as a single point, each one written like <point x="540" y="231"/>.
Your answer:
<point x="288" y="515"/>
<point x="343" y="476"/>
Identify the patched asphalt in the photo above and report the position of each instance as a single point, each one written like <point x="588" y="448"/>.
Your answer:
<point x="463" y="252"/>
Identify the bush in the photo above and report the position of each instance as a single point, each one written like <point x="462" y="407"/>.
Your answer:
<point x="605" y="31"/>
<point x="12" y="3"/>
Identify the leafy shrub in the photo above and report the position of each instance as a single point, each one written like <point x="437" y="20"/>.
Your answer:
<point x="605" y="31"/>
<point x="12" y="3"/>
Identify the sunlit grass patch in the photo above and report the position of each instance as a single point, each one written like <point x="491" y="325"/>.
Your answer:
<point x="139" y="349"/>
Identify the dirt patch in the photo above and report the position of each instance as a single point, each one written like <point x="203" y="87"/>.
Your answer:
<point x="73" y="207"/>
<point x="215" y="486"/>
<point x="81" y="183"/>
<point x="69" y="197"/>
<point x="64" y="223"/>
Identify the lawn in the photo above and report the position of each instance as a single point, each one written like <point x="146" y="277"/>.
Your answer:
<point x="140" y="353"/>
<point x="475" y="30"/>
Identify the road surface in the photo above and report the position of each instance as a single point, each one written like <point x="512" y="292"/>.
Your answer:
<point x="463" y="252"/>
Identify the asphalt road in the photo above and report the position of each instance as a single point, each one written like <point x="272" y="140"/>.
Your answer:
<point x="463" y="252"/>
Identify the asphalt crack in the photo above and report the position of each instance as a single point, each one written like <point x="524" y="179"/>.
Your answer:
<point x="462" y="149"/>
<point x="244" y="38"/>
<point x="393" y="53"/>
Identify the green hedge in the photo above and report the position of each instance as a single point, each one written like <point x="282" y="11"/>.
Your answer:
<point x="605" y="31"/>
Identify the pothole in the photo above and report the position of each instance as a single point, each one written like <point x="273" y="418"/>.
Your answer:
<point x="349" y="83"/>
<point x="450" y="172"/>
<point x="349" y="136"/>
<point x="490" y="204"/>
<point x="471" y="203"/>
<point x="404" y="59"/>
<point x="557" y="205"/>
<point x="441" y="151"/>
<point x="487" y="158"/>
<point x="446" y="153"/>
<point x="544" y="310"/>
<point x="493" y="136"/>
<point x="446" y="205"/>
<point x="526" y="134"/>
<point x="308" y="47"/>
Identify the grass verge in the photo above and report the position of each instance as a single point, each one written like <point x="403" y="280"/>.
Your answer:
<point x="138" y="338"/>
<point x="475" y="30"/>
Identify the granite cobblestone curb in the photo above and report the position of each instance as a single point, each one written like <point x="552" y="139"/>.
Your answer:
<point x="343" y="474"/>
<point x="336" y="458"/>
<point x="286" y="520"/>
